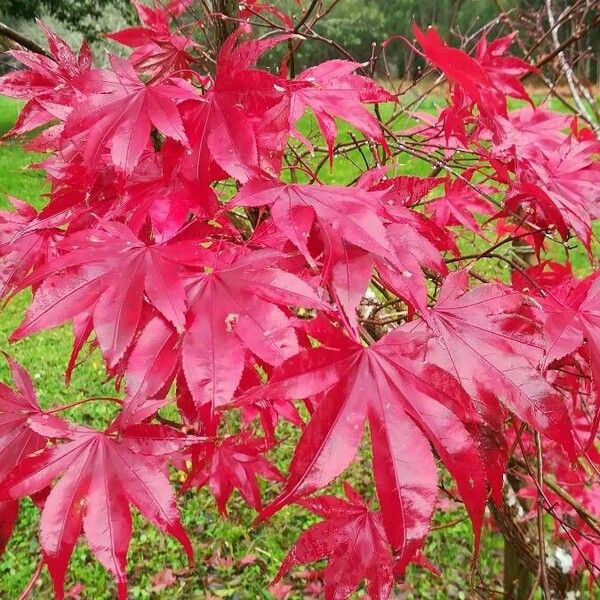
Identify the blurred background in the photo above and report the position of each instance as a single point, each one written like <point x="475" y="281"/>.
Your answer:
<point x="353" y="24"/>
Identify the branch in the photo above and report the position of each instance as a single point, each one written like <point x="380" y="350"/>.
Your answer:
<point x="25" y="42"/>
<point x="571" y="40"/>
<point x="306" y="16"/>
<point x="540" y="519"/>
<point x="591" y="520"/>
<point x="565" y="66"/>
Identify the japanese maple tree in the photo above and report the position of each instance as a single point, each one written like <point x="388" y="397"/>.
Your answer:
<point x="195" y="240"/>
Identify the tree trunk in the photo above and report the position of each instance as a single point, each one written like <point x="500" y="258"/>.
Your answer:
<point x="222" y="27"/>
<point x="521" y="557"/>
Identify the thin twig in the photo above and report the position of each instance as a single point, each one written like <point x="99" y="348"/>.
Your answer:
<point x="540" y="519"/>
<point x="19" y="38"/>
<point x="36" y="575"/>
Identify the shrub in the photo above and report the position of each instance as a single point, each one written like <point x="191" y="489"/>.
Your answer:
<point x="190" y="237"/>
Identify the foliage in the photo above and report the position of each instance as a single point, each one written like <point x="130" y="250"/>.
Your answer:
<point x="190" y="238"/>
<point x="83" y="16"/>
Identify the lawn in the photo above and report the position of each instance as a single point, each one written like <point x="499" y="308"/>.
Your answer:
<point x="234" y="560"/>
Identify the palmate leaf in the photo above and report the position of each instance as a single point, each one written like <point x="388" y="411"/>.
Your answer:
<point x="233" y="463"/>
<point x="49" y="83"/>
<point x="225" y="128"/>
<point x="351" y="217"/>
<point x="17" y="440"/>
<point x="121" y="111"/>
<point x="22" y="248"/>
<point x="353" y="540"/>
<point x="478" y="336"/>
<point x="571" y="315"/>
<point x="410" y="406"/>
<point x="330" y="90"/>
<point x="226" y="298"/>
<point x="110" y="272"/>
<point x="99" y="475"/>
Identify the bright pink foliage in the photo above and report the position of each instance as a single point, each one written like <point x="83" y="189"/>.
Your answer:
<point x="176" y="239"/>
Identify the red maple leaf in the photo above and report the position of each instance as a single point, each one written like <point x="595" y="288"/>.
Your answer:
<point x="226" y="126"/>
<point x="460" y="203"/>
<point x="17" y="440"/>
<point x="463" y="70"/>
<point x="231" y="463"/>
<point x="408" y="405"/>
<point x="22" y="248"/>
<point x="332" y="90"/>
<point x="571" y="315"/>
<point x="480" y="337"/>
<point x="567" y="178"/>
<point x="49" y="86"/>
<point x="234" y="287"/>
<point x="158" y="51"/>
<point x="294" y="208"/>
<point x="352" y="539"/>
<point x="504" y="71"/>
<point x="120" y="112"/>
<point x="101" y="474"/>
<point x="111" y="271"/>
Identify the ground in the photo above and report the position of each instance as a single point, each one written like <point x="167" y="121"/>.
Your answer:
<point x="234" y="560"/>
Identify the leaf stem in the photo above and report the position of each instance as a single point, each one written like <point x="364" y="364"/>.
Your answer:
<point x="83" y="401"/>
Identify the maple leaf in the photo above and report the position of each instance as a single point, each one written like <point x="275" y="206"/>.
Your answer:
<point x="477" y="336"/>
<point x="567" y="177"/>
<point x="101" y="474"/>
<point x="231" y="463"/>
<point x="233" y="307"/>
<point x="571" y="315"/>
<point x="110" y="272"/>
<point x="408" y="405"/>
<point x="225" y="126"/>
<point x="16" y="438"/>
<point x="120" y="112"/>
<point x="229" y="290"/>
<point x="158" y="51"/>
<point x="161" y="191"/>
<point x="463" y="70"/>
<point x="544" y="212"/>
<point x="352" y="539"/>
<point x="460" y="203"/>
<point x="22" y="249"/>
<point x="294" y="208"/>
<point x="504" y="71"/>
<point x="403" y="190"/>
<point x="331" y="90"/>
<point x="530" y="131"/>
<point x="49" y="84"/>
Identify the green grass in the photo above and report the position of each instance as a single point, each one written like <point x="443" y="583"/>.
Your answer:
<point x="221" y="544"/>
<point x="9" y="111"/>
